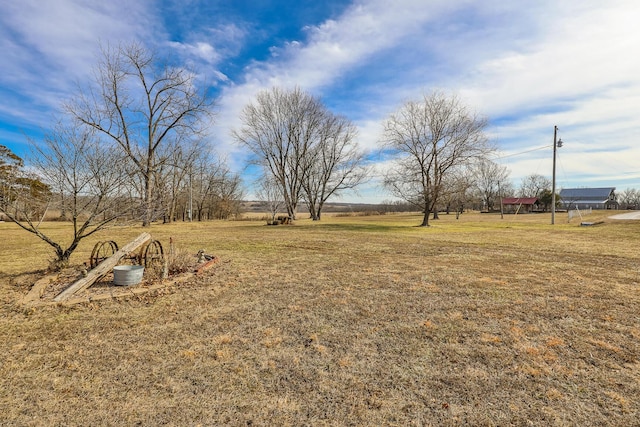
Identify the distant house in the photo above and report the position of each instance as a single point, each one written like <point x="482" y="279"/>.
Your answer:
<point x="520" y="204"/>
<point x="585" y="198"/>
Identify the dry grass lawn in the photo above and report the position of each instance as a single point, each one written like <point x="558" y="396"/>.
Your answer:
<point x="348" y="321"/>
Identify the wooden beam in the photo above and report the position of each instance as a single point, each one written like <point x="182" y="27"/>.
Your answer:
<point x="103" y="268"/>
<point x="38" y="289"/>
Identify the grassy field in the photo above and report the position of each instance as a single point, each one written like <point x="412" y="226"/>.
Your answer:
<point x="347" y="321"/>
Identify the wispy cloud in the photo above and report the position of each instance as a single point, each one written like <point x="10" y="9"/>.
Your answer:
<point x="337" y="45"/>
<point x="209" y="46"/>
<point x="47" y="46"/>
<point x="329" y="51"/>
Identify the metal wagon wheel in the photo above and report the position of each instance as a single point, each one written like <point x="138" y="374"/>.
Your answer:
<point x="152" y="255"/>
<point x="102" y="251"/>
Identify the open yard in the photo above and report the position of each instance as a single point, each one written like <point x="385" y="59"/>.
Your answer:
<point x="347" y="321"/>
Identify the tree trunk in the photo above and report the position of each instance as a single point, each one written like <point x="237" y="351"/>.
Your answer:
<point x="146" y="222"/>
<point x="291" y="210"/>
<point x="171" y="214"/>
<point x="319" y="210"/>
<point x="425" y="219"/>
<point x="312" y="211"/>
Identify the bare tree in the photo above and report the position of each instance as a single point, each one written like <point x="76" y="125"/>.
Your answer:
<point x="23" y="197"/>
<point x="211" y="190"/>
<point x="174" y="177"/>
<point x="147" y="110"/>
<point x="170" y="182"/>
<point x="206" y="177"/>
<point x="90" y="176"/>
<point x="279" y="129"/>
<point x="456" y="191"/>
<point x="227" y="193"/>
<point x="10" y="169"/>
<point x="534" y="185"/>
<point x="491" y="181"/>
<point x="270" y="194"/>
<point x="433" y="138"/>
<point x="629" y="198"/>
<point x="335" y="164"/>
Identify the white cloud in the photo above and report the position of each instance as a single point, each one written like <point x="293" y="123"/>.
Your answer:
<point x="337" y="44"/>
<point x="331" y="49"/>
<point x="47" y="46"/>
<point x="203" y="51"/>
<point x="208" y="47"/>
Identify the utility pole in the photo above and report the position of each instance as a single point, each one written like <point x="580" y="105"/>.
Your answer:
<point x="190" y="194"/>
<point x="501" y="204"/>
<point x="556" y="144"/>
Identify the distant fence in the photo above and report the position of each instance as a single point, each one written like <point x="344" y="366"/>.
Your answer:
<point x="577" y="212"/>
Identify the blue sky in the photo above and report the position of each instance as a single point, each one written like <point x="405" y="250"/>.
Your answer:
<point x="526" y="65"/>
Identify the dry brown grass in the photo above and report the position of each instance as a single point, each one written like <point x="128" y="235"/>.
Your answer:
<point x="350" y="321"/>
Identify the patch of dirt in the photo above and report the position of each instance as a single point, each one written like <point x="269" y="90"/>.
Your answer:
<point x="627" y="216"/>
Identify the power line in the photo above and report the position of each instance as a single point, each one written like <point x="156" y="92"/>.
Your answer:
<point x="375" y="175"/>
<point x="523" y="152"/>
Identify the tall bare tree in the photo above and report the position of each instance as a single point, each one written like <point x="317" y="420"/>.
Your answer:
<point x="280" y="129"/>
<point x="86" y="172"/>
<point x="145" y="108"/>
<point x="333" y="165"/>
<point x="432" y="138"/>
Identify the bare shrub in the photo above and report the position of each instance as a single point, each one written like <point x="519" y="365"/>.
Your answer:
<point x="181" y="261"/>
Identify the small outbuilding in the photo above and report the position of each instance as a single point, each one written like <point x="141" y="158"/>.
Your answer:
<point x="520" y="204"/>
<point x="588" y="198"/>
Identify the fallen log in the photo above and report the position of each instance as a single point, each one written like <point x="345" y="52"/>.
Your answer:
<point x="38" y="289"/>
<point x="103" y="268"/>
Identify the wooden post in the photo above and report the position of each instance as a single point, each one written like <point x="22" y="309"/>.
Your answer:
<point x="103" y="268"/>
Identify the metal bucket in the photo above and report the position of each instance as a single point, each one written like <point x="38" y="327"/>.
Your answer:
<point x="126" y="275"/>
